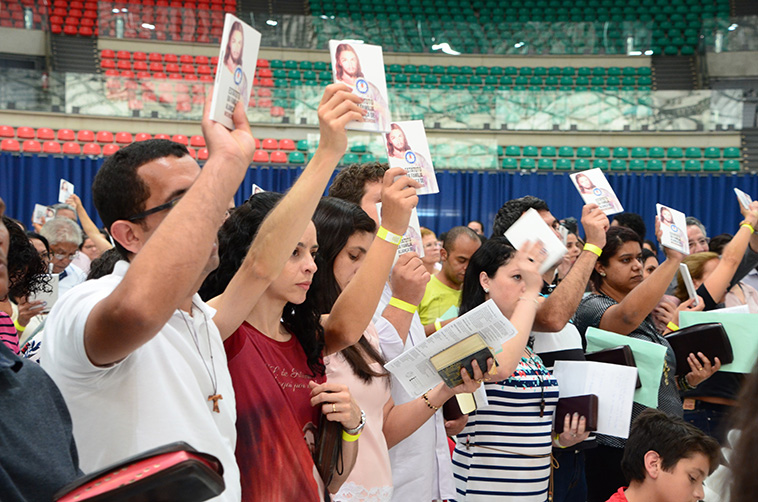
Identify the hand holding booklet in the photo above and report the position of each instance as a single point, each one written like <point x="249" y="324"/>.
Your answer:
<point x="673" y="229"/>
<point x="415" y="369"/>
<point x="531" y="227"/>
<point x="595" y="189"/>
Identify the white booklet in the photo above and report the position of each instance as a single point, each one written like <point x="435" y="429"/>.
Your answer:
<point x="594" y="188"/>
<point x="415" y="371"/>
<point x="687" y="278"/>
<point x="236" y="68"/>
<point x="674" y="228"/>
<point x="257" y="189"/>
<point x="361" y="66"/>
<point x="42" y="214"/>
<point x="611" y="383"/>
<point x="407" y="148"/>
<point x="530" y="228"/>
<point x="65" y="191"/>
<point x="745" y="199"/>
<point x="411" y="240"/>
<point x="50" y="297"/>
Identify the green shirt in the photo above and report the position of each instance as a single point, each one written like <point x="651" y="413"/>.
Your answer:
<point x="438" y="298"/>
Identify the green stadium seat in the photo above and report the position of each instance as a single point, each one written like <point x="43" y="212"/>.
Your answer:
<point x="581" y="164"/>
<point x="453" y="70"/>
<point x="620" y="152"/>
<point x="732" y="153"/>
<point x="410" y="68"/>
<point x="568" y="71"/>
<point x="629" y="71"/>
<point x="535" y="81"/>
<point x="563" y="164"/>
<point x="614" y="71"/>
<point x="511" y="71"/>
<point x="554" y="71"/>
<point x="639" y="152"/>
<point x="506" y="80"/>
<point x="320" y="66"/>
<point x="584" y="152"/>
<point x="692" y="165"/>
<point x="305" y="65"/>
<point x="395" y="68"/>
<point x="482" y="71"/>
<point x="309" y="75"/>
<point x="415" y="78"/>
<point x="526" y="71"/>
<point x="302" y="145"/>
<point x="712" y="153"/>
<point x="674" y="153"/>
<point x="509" y="163"/>
<point x="597" y="82"/>
<point x="602" y="152"/>
<point x="636" y="165"/>
<point x="711" y="165"/>
<point x="491" y="80"/>
<point x="567" y="81"/>
<point x="431" y="79"/>
<point x="600" y="164"/>
<point x="644" y="71"/>
<point x="296" y="158"/>
<point x="446" y="80"/>
<point x="584" y="71"/>
<point x="368" y="157"/>
<point x="497" y="71"/>
<point x="582" y="81"/>
<point x="674" y="165"/>
<point x="276" y="64"/>
<point x="512" y="151"/>
<point x="290" y="65"/>
<point x="618" y="165"/>
<point x="612" y="82"/>
<point x="527" y="164"/>
<point x="530" y="151"/>
<point x="731" y="165"/>
<point x="654" y="165"/>
<point x="693" y="153"/>
<point x="644" y="80"/>
<point x="545" y="164"/>
<point x="476" y="80"/>
<point x="424" y="69"/>
<point x="522" y="80"/>
<point x="466" y="70"/>
<point x="566" y="152"/>
<point x="598" y="71"/>
<point x="551" y="82"/>
<point x="548" y="151"/>
<point x="655" y="152"/>
<point x="350" y="158"/>
<point x="438" y="69"/>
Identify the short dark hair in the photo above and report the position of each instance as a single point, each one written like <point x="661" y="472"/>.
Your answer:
<point x="452" y="235"/>
<point x="350" y="183"/>
<point x="490" y="256"/>
<point x="671" y="437"/>
<point x="27" y="272"/>
<point x="118" y="191"/>
<point x="512" y="211"/>
<point x="718" y="243"/>
<point x="652" y="244"/>
<point x="646" y="253"/>
<point x="615" y="237"/>
<point x="633" y="221"/>
<point x="34" y="235"/>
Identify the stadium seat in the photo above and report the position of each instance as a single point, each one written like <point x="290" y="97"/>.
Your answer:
<point x="10" y="145"/>
<point x="270" y="144"/>
<point x="637" y="165"/>
<point x="711" y="165"/>
<point x="350" y="158"/>
<point x="181" y="139"/>
<point x="692" y="165"/>
<point x="25" y="132"/>
<point x="692" y="153"/>
<point x="142" y="136"/>
<point x="731" y="165"/>
<point x="654" y="165"/>
<point x="286" y="145"/>
<point x="72" y="148"/>
<point x="296" y="158"/>
<point x="582" y="164"/>
<point x="110" y="149"/>
<point x="618" y="165"/>
<point x="639" y="152"/>
<point x="527" y="163"/>
<point x="674" y="153"/>
<point x="548" y="151"/>
<point x="124" y="138"/>
<point x="260" y="157"/>
<point x="600" y="164"/>
<point x="584" y="152"/>
<point x="530" y="151"/>
<point x="712" y="153"/>
<point x="655" y="152"/>
<point x="45" y="133"/>
<point x="563" y="164"/>
<point x="51" y="147"/>
<point x="162" y="136"/>
<point x="566" y="152"/>
<point x="85" y="136"/>
<point x="509" y="163"/>
<point x="7" y="132"/>
<point x="91" y="149"/>
<point x="104" y="137"/>
<point x="674" y="165"/>
<point x="602" y="152"/>
<point x="545" y="164"/>
<point x="302" y="145"/>
<point x="197" y="141"/>
<point x="202" y="154"/>
<point x="620" y="152"/>
<point x="31" y="146"/>
<point x="278" y="157"/>
<point x="732" y="153"/>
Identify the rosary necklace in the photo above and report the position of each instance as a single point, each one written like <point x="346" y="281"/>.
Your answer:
<point x="215" y="396"/>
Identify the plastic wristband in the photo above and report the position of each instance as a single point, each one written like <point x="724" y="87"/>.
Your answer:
<point x="437" y="325"/>
<point x="350" y="438"/>
<point x="593" y="249"/>
<point x="557" y="441"/>
<point x="748" y="225"/>
<point x="400" y="304"/>
<point x="672" y="326"/>
<point x="388" y="236"/>
<point x="19" y="328"/>
<point x="428" y="404"/>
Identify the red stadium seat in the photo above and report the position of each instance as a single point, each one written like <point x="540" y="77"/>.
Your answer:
<point x="72" y="148"/>
<point x="70" y="30"/>
<point x="109" y="150"/>
<point x="204" y="70"/>
<point x="202" y="154"/>
<point x="86" y="31"/>
<point x="124" y="138"/>
<point x="186" y="59"/>
<point x="142" y="136"/>
<point x="139" y="56"/>
<point x="155" y="57"/>
<point x="155" y="66"/>
<point x="107" y="54"/>
<point x="63" y="135"/>
<point x="104" y="137"/>
<point x="264" y="92"/>
<point x="91" y="149"/>
<point x="270" y="144"/>
<point x="51" y="147"/>
<point x="25" y="132"/>
<point x="201" y="60"/>
<point x="45" y="133"/>
<point x="85" y="136"/>
<point x="286" y="145"/>
<point x="279" y="157"/>
<point x="124" y="65"/>
<point x="162" y="136"/>
<point x="124" y="55"/>
<point x="192" y="152"/>
<point x="257" y="144"/>
<point x="190" y="78"/>
<point x="197" y="141"/>
<point x="265" y="73"/>
<point x="262" y="63"/>
<point x="7" y="132"/>
<point x="277" y="111"/>
<point x="172" y="68"/>
<point x="31" y="146"/>
<point x="171" y="58"/>
<point x="260" y="157"/>
<point x="10" y="145"/>
<point x="180" y="138"/>
<point x="188" y="69"/>
<point x="140" y="66"/>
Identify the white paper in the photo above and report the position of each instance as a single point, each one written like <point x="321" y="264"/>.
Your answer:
<point x="530" y="228"/>
<point x="361" y="66"/>
<point x="48" y="299"/>
<point x="41" y="214"/>
<point x="65" y="191"/>
<point x="411" y="240"/>
<point x="257" y="189"/>
<point x="744" y="199"/>
<point x="594" y="188"/>
<point x="236" y="68"/>
<point x="687" y="278"/>
<point x="413" y="368"/>
<point x="737" y="309"/>
<point x="674" y="228"/>
<point x="611" y="383"/>
<point x="408" y="148"/>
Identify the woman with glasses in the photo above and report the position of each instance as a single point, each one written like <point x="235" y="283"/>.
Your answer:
<point x="432" y="247"/>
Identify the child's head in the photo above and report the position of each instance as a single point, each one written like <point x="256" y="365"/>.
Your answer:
<point x="671" y="455"/>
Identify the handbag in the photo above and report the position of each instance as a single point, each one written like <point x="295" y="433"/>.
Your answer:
<point x="709" y="338"/>
<point x="172" y="473"/>
<point x="585" y="405"/>
<point x="328" y="452"/>
<point x="621" y="355"/>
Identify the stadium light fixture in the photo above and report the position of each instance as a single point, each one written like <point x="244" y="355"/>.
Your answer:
<point x="445" y="47"/>
<point x="271" y="22"/>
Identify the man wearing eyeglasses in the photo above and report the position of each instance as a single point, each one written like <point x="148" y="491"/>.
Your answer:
<point x="64" y="237"/>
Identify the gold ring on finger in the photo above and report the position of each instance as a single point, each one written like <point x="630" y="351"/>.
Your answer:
<point x="334" y="408"/>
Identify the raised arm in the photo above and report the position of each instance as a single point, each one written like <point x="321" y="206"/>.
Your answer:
<point x="355" y="307"/>
<point x="558" y="308"/>
<point x="280" y="231"/>
<point x="408" y="281"/>
<point x="170" y="264"/>
<point x="89" y="227"/>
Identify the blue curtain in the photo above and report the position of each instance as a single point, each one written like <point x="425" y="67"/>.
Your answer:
<point x="464" y="195"/>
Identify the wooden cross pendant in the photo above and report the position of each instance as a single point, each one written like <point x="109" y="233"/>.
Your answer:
<point x="215" y="399"/>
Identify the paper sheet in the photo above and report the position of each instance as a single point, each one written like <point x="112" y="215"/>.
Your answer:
<point x="65" y="191"/>
<point x="449" y="313"/>
<point x="413" y="369"/>
<point x="648" y="356"/>
<point x="531" y="227"/>
<point x="611" y="383"/>
<point x="740" y="328"/>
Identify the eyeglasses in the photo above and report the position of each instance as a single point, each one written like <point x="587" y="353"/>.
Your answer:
<point x="157" y="209"/>
<point x="703" y="241"/>
<point x="64" y="256"/>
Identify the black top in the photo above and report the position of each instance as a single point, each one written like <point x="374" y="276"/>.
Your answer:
<point x="37" y="450"/>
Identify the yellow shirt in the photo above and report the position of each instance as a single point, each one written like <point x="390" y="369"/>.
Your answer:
<point x="438" y="298"/>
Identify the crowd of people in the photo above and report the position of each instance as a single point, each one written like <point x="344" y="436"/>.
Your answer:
<point x="246" y="331"/>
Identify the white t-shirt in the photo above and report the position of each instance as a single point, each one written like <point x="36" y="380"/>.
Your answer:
<point x="74" y="277"/>
<point x="421" y="466"/>
<point x="155" y="396"/>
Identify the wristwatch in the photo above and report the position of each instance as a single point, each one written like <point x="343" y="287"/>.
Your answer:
<point x="359" y="428"/>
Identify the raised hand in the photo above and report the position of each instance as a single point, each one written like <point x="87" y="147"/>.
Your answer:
<point x="595" y="224"/>
<point x="338" y="107"/>
<point x="409" y="278"/>
<point x="237" y="145"/>
<point x="398" y="200"/>
<point x="529" y="259"/>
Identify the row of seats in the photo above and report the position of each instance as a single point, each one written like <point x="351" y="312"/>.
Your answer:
<point x="634" y="165"/>
<point x="620" y="152"/>
<point x="21" y="14"/>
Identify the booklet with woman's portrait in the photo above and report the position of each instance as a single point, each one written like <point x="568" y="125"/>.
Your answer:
<point x="673" y="228"/>
<point x="594" y="188"/>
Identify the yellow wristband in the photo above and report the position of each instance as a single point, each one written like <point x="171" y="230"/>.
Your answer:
<point x="557" y="439"/>
<point x="672" y="326"/>
<point x="400" y="304"/>
<point x="19" y="328"/>
<point x="748" y="225"/>
<point x="388" y="236"/>
<point x="437" y="325"/>
<point x="593" y="249"/>
<point x="350" y="438"/>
